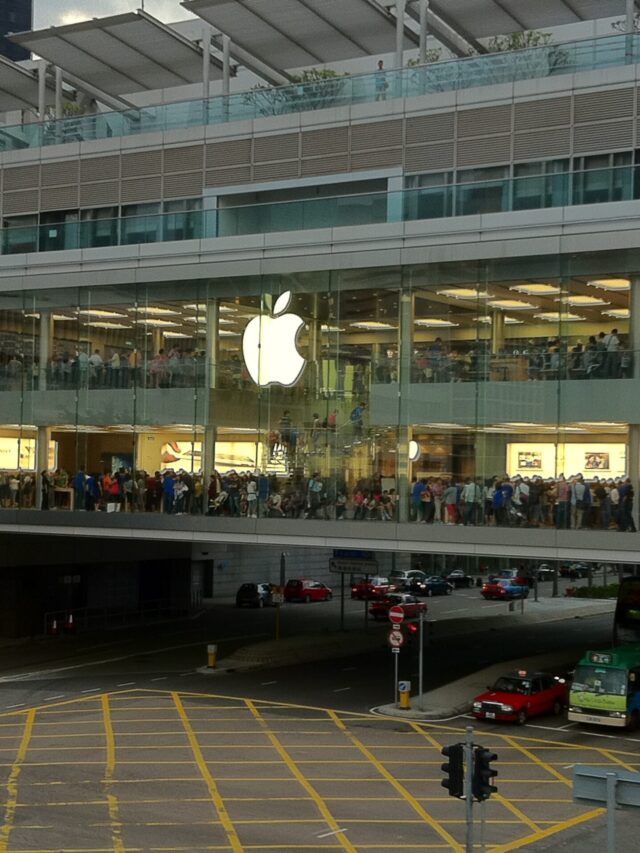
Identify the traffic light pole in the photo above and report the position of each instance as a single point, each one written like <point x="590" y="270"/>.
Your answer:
<point x="421" y="662"/>
<point x="468" y="787"/>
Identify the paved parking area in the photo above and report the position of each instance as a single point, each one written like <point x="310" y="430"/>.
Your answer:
<point x="137" y="771"/>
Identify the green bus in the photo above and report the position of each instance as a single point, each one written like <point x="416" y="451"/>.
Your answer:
<point x="606" y="688"/>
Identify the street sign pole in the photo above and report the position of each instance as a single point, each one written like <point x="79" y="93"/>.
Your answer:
<point x="611" y="812"/>
<point x="396" y="655"/>
<point x="421" y="661"/>
<point x="468" y="787"/>
<point x="342" y="601"/>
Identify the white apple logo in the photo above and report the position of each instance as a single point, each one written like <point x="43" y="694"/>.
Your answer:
<point x="269" y="346"/>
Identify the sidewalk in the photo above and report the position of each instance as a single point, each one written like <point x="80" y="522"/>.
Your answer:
<point x="313" y="647"/>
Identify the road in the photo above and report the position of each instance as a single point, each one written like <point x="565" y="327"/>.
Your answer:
<point x="119" y="743"/>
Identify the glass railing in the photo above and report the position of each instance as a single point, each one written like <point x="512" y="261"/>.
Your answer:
<point x="483" y="70"/>
<point x="596" y="186"/>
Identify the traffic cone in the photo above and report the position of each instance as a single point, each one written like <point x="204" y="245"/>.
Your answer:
<point x="70" y="627"/>
<point x="54" y="628"/>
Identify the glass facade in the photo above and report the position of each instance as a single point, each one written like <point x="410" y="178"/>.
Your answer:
<point x="387" y="394"/>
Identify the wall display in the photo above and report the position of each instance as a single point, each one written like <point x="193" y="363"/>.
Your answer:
<point x="19" y="454"/>
<point x="549" y="460"/>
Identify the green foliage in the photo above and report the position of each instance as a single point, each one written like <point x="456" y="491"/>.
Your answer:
<point x="434" y="54"/>
<point x="518" y="41"/>
<point x="621" y="26"/>
<point x="608" y="591"/>
<point x="313" y="89"/>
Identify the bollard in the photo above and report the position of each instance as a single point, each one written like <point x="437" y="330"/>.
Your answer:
<point x="212" y="655"/>
<point x="404" y="689"/>
<point x="512" y="606"/>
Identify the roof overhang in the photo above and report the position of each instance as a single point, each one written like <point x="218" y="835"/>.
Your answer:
<point x="122" y="54"/>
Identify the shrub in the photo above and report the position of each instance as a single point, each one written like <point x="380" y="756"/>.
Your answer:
<point x="608" y="591"/>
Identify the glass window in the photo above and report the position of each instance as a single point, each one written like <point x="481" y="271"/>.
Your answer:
<point x="20" y="234"/>
<point x="482" y="191"/>
<point x="99" y="227"/>
<point x="429" y="196"/>
<point x="182" y="219"/>
<point x="141" y="223"/>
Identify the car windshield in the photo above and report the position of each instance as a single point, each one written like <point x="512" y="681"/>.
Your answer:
<point x="597" y="679"/>
<point x="513" y="685"/>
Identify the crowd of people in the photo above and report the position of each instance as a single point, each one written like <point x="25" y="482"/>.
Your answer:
<point x="119" y="368"/>
<point x="603" y="356"/>
<point x="560" y="502"/>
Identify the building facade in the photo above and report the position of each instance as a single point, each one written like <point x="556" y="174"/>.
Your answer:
<point x="357" y="285"/>
<point x="16" y="16"/>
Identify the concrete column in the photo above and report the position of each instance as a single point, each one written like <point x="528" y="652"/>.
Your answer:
<point x="206" y="61"/>
<point x="630" y="15"/>
<point x="45" y="347"/>
<point x="315" y="339"/>
<point x="497" y="331"/>
<point x="211" y="365"/>
<point x="226" y="64"/>
<point x="42" y="88"/>
<point x="400" y="10"/>
<point x="208" y="458"/>
<point x="424" y="29"/>
<point x="395" y="199"/>
<point x="405" y="431"/>
<point x="59" y="105"/>
<point x="42" y="460"/>
<point x="634" y="325"/>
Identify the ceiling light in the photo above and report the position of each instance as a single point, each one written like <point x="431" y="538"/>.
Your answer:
<point x="372" y="325"/>
<point x="583" y="301"/>
<point x="158" y="324"/>
<point x="200" y="307"/>
<point x="176" y="335"/>
<point x="156" y="312"/>
<point x="227" y="309"/>
<point x="512" y="305"/>
<point x="225" y="333"/>
<point x="557" y="317"/>
<point x="511" y="321"/>
<point x="435" y="323"/>
<point x="614" y="284"/>
<point x="330" y="329"/>
<point x="100" y="312"/>
<point x="464" y="293"/>
<point x="536" y="289"/>
<point x="487" y="320"/>
<point x="63" y="317"/>
<point x="105" y="324"/>
<point x="618" y="313"/>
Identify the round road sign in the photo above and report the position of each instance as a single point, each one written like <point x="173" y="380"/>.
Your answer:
<point x="396" y="638"/>
<point x="396" y="614"/>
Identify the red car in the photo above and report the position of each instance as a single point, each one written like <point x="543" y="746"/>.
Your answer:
<point x="516" y="697"/>
<point x="306" y="590"/>
<point x="409" y="603"/>
<point x="371" y="588"/>
<point x="504" y="590"/>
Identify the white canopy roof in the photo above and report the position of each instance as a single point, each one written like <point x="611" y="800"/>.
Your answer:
<point x="297" y="33"/>
<point x="121" y="54"/>
<point x="19" y="87"/>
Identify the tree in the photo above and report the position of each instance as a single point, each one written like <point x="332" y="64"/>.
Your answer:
<point x="313" y="89"/>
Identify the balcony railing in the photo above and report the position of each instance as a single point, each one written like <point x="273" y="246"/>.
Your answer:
<point x="563" y="189"/>
<point x="453" y="75"/>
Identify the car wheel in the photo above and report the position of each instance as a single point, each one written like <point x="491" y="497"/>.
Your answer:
<point x="429" y="593"/>
<point x="557" y="708"/>
<point x="307" y="599"/>
<point x="261" y="602"/>
<point x="449" y="590"/>
<point x="633" y="722"/>
<point x="329" y="597"/>
<point x="521" y="719"/>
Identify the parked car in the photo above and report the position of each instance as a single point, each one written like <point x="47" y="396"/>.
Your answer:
<point x="306" y="590"/>
<point x="399" y="579"/>
<point x="504" y="589"/>
<point x="436" y="585"/>
<point x="409" y="603"/>
<point x="518" y="696"/>
<point x="575" y="571"/>
<point x="457" y="578"/>
<point x="545" y="572"/>
<point x="370" y="588"/>
<point x="254" y="595"/>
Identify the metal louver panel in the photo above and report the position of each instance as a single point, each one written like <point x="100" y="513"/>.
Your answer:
<point x="485" y="120"/>
<point x="21" y="177"/>
<point x="102" y="193"/>
<point x="548" y="112"/>
<point x="283" y="146"/>
<point x="232" y="152"/>
<point x="185" y="185"/>
<point x="608" y="136"/>
<point x="429" y="158"/>
<point x="62" y="172"/>
<point x="331" y="140"/>
<point x="25" y="201"/>
<point x="139" y="163"/>
<point x="186" y="158"/>
<point x="273" y="171"/>
<point x="141" y="189"/>
<point x="430" y="128"/>
<point x="99" y="169"/>
<point x="376" y="134"/>
<point x="335" y="164"/>
<point x="484" y="152"/>
<point x="228" y="177"/>
<point x="599" y="106"/>
<point x="553" y="142"/>
<point x="59" y="198"/>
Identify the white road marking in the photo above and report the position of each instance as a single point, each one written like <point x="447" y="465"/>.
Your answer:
<point x="266" y="683"/>
<point x="568" y="766"/>
<point x="126" y="684"/>
<point x="160" y="678"/>
<point x="90" y="690"/>
<point x="328" y="834"/>
<point x="19" y="705"/>
<point x="51" y="698"/>
<point x="341" y="689"/>
<point x="184" y="674"/>
<point x="568" y="726"/>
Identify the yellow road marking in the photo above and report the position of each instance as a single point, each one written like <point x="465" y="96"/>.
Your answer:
<point x="210" y="782"/>
<point x="301" y="778"/>
<point x="546" y="833"/>
<point x="112" y="800"/>
<point x="536" y="760"/>
<point x="413" y="802"/>
<point x="12" y="782"/>
<point x="615" y="760"/>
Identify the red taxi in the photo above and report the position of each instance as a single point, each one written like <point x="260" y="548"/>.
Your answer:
<point x="516" y="697"/>
<point x="409" y="603"/>
<point x="370" y="588"/>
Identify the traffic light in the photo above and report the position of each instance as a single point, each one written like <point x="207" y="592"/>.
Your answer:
<point x="454" y="769"/>
<point x="483" y="774"/>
